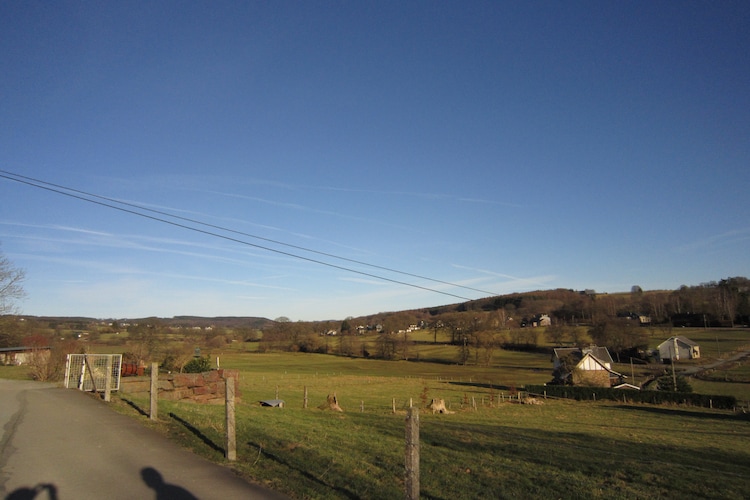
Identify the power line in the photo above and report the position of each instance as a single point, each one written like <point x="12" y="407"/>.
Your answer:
<point x="138" y="211"/>
<point x="249" y="235"/>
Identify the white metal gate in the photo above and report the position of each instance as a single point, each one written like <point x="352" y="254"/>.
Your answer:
<point x="88" y="372"/>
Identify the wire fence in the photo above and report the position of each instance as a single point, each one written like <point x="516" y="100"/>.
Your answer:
<point x="88" y="372"/>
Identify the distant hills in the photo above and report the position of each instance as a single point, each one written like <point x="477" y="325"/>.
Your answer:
<point x="715" y="303"/>
<point x="176" y="321"/>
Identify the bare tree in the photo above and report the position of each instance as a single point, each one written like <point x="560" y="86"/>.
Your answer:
<point x="11" y="289"/>
<point x="557" y="333"/>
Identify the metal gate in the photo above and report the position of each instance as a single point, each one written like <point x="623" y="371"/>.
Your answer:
<point x="88" y="372"/>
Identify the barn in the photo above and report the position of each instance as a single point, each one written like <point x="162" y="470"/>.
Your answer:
<point x="678" y="348"/>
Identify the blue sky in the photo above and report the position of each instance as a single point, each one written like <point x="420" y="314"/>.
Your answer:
<point x="492" y="147"/>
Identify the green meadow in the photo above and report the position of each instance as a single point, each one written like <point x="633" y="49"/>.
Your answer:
<point x="490" y="446"/>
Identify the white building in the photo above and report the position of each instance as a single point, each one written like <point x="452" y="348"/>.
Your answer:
<point x="678" y="348"/>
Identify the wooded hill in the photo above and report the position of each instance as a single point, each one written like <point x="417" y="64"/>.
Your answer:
<point x="717" y="303"/>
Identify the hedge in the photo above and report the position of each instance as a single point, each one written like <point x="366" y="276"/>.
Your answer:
<point x="580" y="393"/>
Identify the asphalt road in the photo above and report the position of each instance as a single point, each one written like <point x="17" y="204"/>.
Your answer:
<point x="701" y="368"/>
<point x="64" y="444"/>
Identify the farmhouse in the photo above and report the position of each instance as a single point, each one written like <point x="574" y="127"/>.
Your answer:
<point x="591" y="366"/>
<point x="541" y="320"/>
<point x="677" y="348"/>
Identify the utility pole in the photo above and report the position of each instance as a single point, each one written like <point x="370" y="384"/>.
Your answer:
<point x="674" y="377"/>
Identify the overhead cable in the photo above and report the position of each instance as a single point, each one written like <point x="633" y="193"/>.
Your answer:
<point x="135" y="209"/>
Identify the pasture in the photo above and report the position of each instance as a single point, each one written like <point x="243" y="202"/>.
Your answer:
<point x="490" y="447"/>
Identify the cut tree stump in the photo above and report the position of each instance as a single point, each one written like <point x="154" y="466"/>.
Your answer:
<point x="438" y="406"/>
<point x="331" y="403"/>
<point x="532" y="401"/>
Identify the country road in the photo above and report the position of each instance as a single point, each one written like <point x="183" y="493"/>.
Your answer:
<point x="715" y="364"/>
<point x="65" y="444"/>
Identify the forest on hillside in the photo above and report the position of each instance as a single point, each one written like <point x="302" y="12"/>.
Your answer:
<point x="716" y="303"/>
<point x="571" y="317"/>
<point x="477" y="327"/>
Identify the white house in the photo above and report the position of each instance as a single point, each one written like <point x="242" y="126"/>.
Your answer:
<point x="542" y="320"/>
<point x="677" y="348"/>
<point x="588" y="366"/>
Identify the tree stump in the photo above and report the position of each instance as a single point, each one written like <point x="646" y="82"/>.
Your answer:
<point x="438" y="406"/>
<point x="331" y="403"/>
<point x="532" y="401"/>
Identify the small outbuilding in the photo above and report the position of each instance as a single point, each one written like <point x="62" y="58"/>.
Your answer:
<point x="677" y="348"/>
<point x="21" y="355"/>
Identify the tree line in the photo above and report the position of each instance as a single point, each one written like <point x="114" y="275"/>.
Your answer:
<point x="477" y="328"/>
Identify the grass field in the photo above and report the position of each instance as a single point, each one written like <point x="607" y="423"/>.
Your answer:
<point x="491" y="446"/>
<point x="14" y="372"/>
<point x="501" y="449"/>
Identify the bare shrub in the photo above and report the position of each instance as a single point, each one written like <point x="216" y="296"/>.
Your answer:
<point x="49" y="364"/>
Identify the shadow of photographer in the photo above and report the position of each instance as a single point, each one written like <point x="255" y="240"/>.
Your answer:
<point x="33" y="493"/>
<point x="164" y="491"/>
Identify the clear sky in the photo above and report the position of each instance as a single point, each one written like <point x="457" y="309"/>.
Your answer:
<point x="496" y="146"/>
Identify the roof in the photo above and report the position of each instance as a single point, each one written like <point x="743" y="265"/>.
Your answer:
<point x="22" y="348"/>
<point x="600" y="353"/>
<point x="273" y="402"/>
<point x="627" y="386"/>
<point x="681" y="340"/>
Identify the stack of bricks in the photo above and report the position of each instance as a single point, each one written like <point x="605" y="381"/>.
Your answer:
<point x="206" y="387"/>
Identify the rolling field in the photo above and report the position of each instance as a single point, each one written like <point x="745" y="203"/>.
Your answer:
<point x="490" y="447"/>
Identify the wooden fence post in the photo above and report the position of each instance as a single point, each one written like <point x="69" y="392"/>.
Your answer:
<point x="412" y="454"/>
<point x="108" y="381"/>
<point x="231" y="444"/>
<point x="154" y="404"/>
<point x="304" y="404"/>
<point x="91" y="373"/>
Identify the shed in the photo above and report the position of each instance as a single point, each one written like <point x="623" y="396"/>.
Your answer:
<point x="677" y="348"/>
<point x="20" y="355"/>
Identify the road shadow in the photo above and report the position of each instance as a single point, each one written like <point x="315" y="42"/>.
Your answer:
<point x="164" y="491"/>
<point x="135" y="407"/>
<point x="197" y="433"/>
<point x="35" y="493"/>
<point x="302" y="471"/>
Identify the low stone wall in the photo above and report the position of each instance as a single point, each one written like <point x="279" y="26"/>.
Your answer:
<point x="206" y="387"/>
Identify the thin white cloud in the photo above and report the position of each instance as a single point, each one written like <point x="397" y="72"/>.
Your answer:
<point x="717" y="240"/>
<point x="233" y="282"/>
<point x="303" y="208"/>
<point x="541" y="281"/>
<point x="365" y="281"/>
<point x="377" y="192"/>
